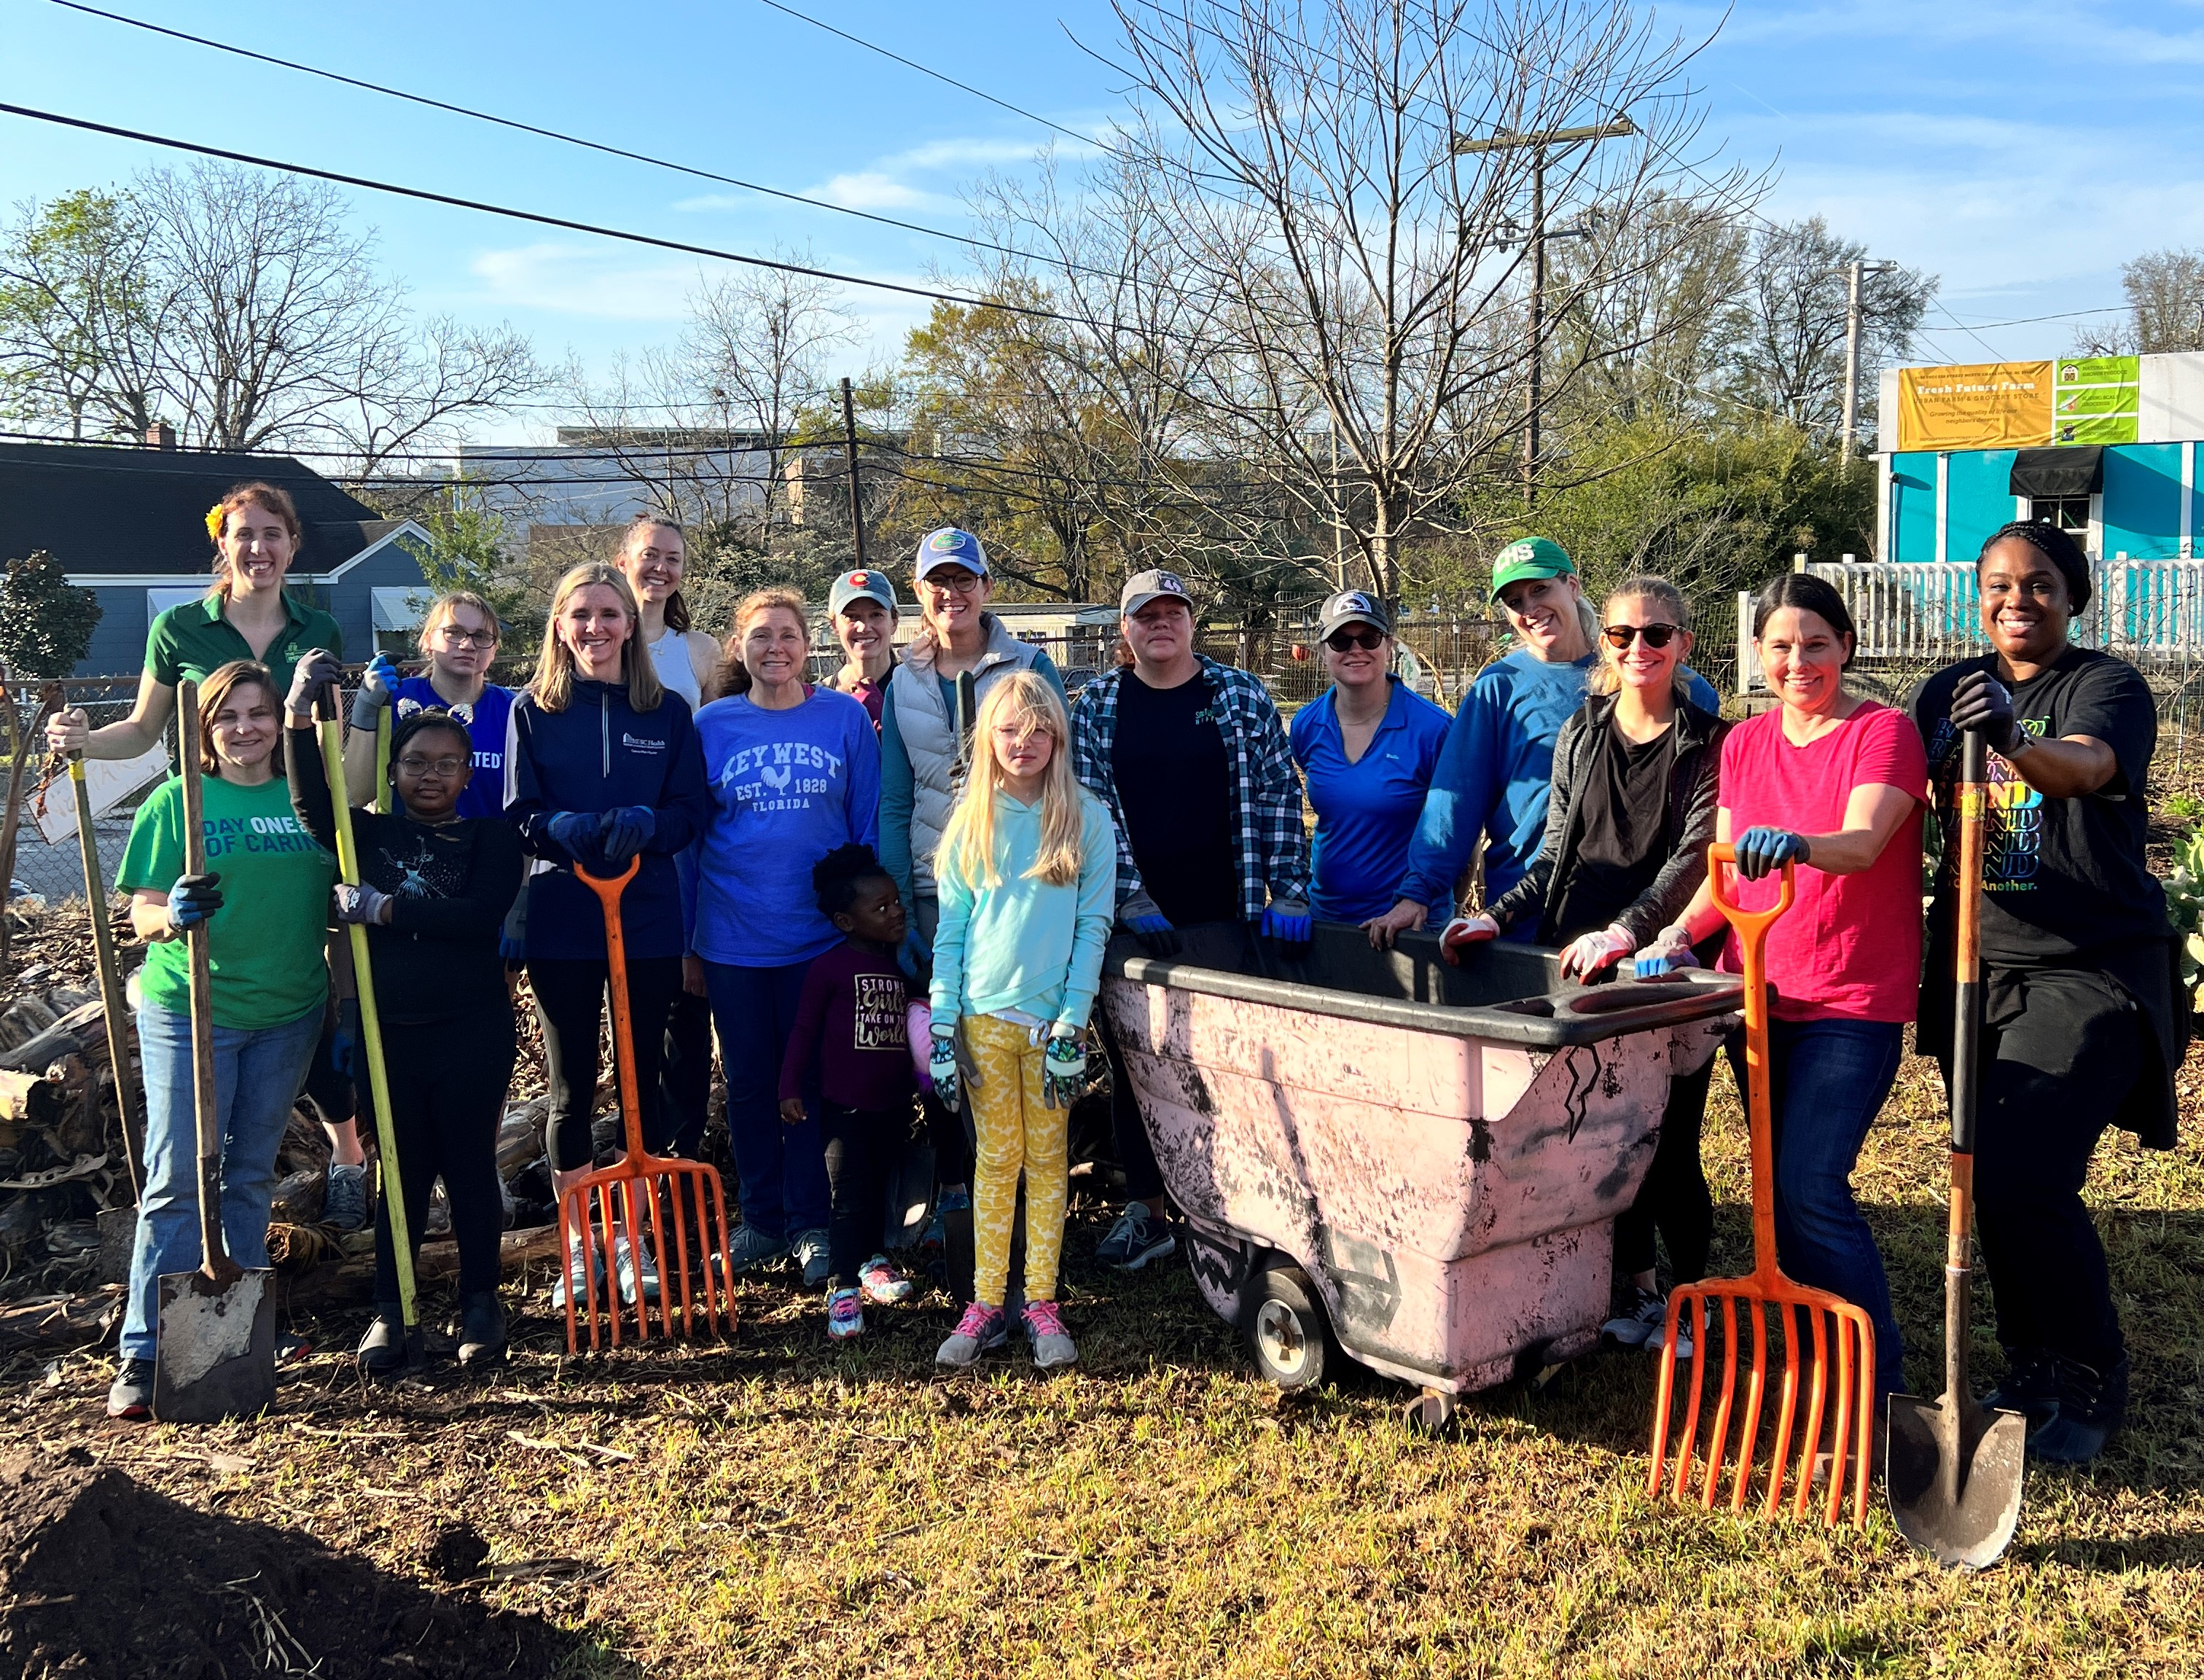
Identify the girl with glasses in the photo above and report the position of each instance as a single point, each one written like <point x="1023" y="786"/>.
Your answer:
<point x="458" y="639"/>
<point x="1632" y="811"/>
<point x="1366" y="746"/>
<point x="434" y="889"/>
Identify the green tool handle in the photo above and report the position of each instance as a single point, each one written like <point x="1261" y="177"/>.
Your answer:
<point x="214" y="1248"/>
<point x="370" y="1019"/>
<point x="111" y="981"/>
<point x="382" y="760"/>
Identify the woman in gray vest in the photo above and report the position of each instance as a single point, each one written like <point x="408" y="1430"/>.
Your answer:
<point x="960" y="652"/>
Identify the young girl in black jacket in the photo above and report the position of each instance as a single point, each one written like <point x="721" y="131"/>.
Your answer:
<point x="435" y="890"/>
<point x="1626" y="834"/>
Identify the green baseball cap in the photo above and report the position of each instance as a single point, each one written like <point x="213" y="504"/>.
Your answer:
<point x="1530" y="557"/>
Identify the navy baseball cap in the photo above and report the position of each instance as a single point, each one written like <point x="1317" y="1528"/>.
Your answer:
<point x="850" y="586"/>
<point x="950" y="547"/>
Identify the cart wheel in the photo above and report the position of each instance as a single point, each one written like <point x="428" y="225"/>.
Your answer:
<point x="1288" y="1330"/>
<point x="1431" y="1412"/>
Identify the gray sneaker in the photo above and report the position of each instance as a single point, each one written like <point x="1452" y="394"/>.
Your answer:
<point x="1137" y="1238"/>
<point x="1052" y="1343"/>
<point x="344" y="1199"/>
<point x="980" y="1330"/>
<point x="625" y="1269"/>
<point x="810" y="1253"/>
<point x="750" y="1248"/>
<point x="131" y="1395"/>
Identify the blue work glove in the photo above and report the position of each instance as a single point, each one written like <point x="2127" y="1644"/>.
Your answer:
<point x="626" y="829"/>
<point x="941" y="1063"/>
<point x="1064" y="1067"/>
<point x="512" y="947"/>
<point x="1981" y="701"/>
<point x="192" y="899"/>
<point x="915" y="955"/>
<point x="1671" y="949"/>
<point x="376" y="684"/>
<point x="316" y="669"/>
<point x="1148" y="924"/>
<point x="576" y="832"/>
<point x="1761" y="851"/>
<point x="1287" y="921"/>
<point x="361" y="904"/>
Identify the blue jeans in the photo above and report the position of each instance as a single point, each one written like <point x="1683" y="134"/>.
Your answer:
<point x="782" y="1167"/>
<point x="256" y="1074"/>
<point x="1827" y="1082"/>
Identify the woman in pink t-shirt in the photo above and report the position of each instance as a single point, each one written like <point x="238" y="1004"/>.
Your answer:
<point x="1835" y="783"/>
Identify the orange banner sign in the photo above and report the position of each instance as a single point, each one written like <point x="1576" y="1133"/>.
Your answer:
<point x="1992" y="405"/>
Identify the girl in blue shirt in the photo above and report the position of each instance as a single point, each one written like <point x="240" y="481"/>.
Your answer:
<point x="794" y="773"/>
<point x="1367" y="745"/>
<point x="458" y="639"/>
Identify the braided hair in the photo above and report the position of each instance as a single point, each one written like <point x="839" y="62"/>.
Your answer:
<point x="837" y="876"/>
<point x="2056" y="545"/>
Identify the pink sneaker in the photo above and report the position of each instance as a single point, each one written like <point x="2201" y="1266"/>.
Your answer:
<point x="1052" y="1343"/>
<point x="884" y="1286"/>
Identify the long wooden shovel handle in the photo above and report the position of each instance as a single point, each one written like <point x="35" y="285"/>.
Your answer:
<point x="111" y="1001"/>
<point x="608" y="890"/>
<point x="214" y="1249"/>
<point x="1752" y="928"/>
<point x="1966" y="1053"/>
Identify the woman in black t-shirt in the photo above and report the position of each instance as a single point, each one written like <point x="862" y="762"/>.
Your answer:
<point x="2083" y="1019"/>
<point x="1626" y="848"/>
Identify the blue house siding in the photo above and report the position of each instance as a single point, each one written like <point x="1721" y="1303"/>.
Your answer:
<point x="351" y="600"/>
<point x="2142" y="502"/>
<point x="1913" y="507"/>
<point x="1977" y="500"/>
<point x="118" y="642"/>
<point x="2138" y="509"/>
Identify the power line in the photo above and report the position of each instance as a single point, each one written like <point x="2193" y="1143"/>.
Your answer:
<point x="533" y="216"/>
<point x="2029" y="320"/>
<point x="577" y="140"/>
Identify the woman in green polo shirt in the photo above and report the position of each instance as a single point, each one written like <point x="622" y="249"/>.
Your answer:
<point x="264" y="900"/>
<point x="245" y="614"/>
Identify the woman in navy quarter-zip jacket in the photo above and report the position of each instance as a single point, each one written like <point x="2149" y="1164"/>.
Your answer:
<point x="601" y="766"/>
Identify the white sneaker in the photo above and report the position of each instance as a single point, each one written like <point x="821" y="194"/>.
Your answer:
<point x="626" y="1270"/>
<point x="1654" y="1342"/>
<point x="576" y="1281"/>
<point x="1640" y="1321"/>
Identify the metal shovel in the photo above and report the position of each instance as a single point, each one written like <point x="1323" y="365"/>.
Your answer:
<point x="215" y="1355"/>
<point x="1952" y="1470"/>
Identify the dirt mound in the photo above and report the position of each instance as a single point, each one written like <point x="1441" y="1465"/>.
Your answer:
<point x="101" y="1577"/>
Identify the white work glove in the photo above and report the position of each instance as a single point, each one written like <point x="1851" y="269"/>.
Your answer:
<point x="1671" y="948"/>
<point x="1586" y="956"/>
<point x="1466" y="931"/>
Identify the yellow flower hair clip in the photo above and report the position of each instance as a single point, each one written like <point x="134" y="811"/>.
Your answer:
<point x="216" y="518"/>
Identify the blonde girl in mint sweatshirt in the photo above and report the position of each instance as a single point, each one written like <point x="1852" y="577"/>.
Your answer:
<point x="1028" y="875"/>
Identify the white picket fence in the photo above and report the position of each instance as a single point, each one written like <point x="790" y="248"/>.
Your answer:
<point x="2151" y="612"/>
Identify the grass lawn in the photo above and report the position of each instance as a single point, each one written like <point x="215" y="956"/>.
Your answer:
<point x="791" y="1509"/>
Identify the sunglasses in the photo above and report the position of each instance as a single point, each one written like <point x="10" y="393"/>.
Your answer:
<point x="1368" y="641"/>
<point x="1620" y="636"/>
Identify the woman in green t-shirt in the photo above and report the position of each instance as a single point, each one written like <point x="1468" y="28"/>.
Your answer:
<point x="264" y="899"/>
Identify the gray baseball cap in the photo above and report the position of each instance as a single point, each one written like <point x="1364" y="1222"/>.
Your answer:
<point x="1352" y="607"/>
<point x="1143" y="587"/>
<point x="850" y="586"/>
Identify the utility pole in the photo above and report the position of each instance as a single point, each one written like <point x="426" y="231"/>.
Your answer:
<point x="850" y="451"/>
<point x="1338" y="518"/>
<point x="1856" y="274"/>
<point x="1538" y="144"/>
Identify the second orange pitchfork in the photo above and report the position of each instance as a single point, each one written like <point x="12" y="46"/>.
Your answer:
<point x="1834" y="1329"/>
<point x="625" y="1198"/>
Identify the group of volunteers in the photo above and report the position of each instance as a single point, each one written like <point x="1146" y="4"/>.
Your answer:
<point x="888" y="895"/>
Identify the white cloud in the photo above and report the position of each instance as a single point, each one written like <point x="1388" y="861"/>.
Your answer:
<point x="579" y="279"/>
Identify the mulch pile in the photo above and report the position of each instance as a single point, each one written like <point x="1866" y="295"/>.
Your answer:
<point x="100" y="1575"/>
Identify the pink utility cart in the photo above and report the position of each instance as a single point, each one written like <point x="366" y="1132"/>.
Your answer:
<point x="1422" y="1162"/>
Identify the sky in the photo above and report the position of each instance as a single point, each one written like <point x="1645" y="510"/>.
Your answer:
<point x="2019" y="151"/>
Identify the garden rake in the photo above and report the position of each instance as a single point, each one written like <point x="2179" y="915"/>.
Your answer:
<point x="1832" y="1329"/>
<point x="641" y="1192"/>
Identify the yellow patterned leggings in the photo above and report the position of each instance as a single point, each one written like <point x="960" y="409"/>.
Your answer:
<point x="1016" y="1131"/>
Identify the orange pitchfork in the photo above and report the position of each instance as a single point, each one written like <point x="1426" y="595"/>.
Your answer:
<point x="1833" y="1328"/>
<point x="606" y="1201"/>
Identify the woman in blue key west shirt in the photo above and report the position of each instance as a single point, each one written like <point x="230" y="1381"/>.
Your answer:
<point x="1367" y="745"/>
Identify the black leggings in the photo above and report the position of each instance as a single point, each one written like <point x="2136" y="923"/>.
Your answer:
<point x="1144" y="1179"/>
<point x="1674" y="1194"/>
<point x="684" y="1082"/>
<point x="570" y="1004"/>
<point x="447" y="1083"/>
<point x="860" y="1145"/>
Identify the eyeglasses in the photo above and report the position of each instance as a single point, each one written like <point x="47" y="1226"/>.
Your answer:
<point x="1620" y="636"/>
<point x="420" y="766"/>
<point x="1368" y="641"/>
<point x="455" y="637"/>
<point x="962" y="584"/>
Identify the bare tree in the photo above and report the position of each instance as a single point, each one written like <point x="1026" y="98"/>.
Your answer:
<point x="1372" y="280"/>
<point x="1787" y="333"/>
<point x="2166" y="308"/>
<point x="244" y="307"/>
